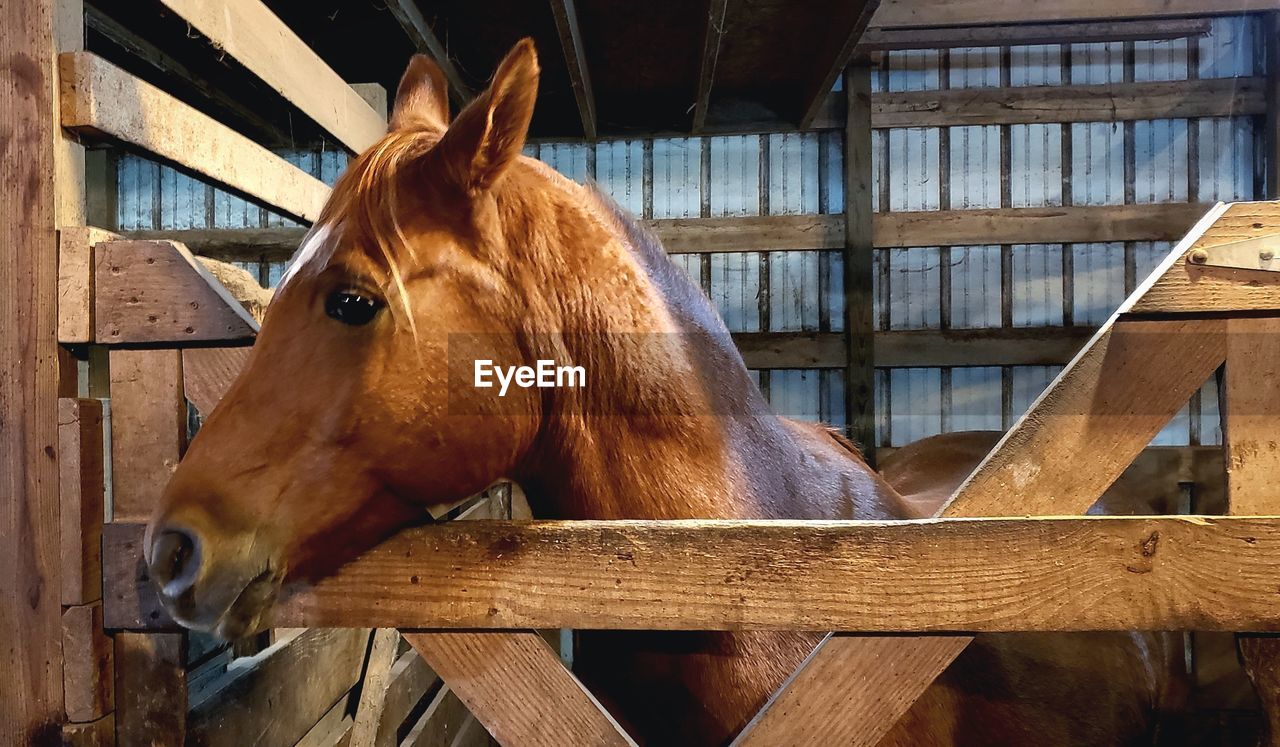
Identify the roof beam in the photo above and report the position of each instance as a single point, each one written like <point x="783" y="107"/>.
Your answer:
<point x="710" y="55"/>
<point x="1084" y="32"/>
<point x="419" y="32"/>
<point x="817" y="94"/>
<point x="575" y="59"/>
<point x="923" y="13"/>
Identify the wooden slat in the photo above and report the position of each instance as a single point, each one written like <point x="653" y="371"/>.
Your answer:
<point x="148" y="428"/>
<point x="100" y="99"/>
<point x="410" y="18"/>
<point x="815" y="91"/>
<point x="859" y="273"/>
<point x="516" y="686"/>
<point x="249" y="32"/>
<point x="1186" y="287"/>
<point x="277" y="695"/>
<point x="441" y="724"/>
<point x="1080" y="32"/>
<point x="88" y="670"/>
<point x="921" y="576"/>
<point x="81" y="489"/>
<point x="1055" y="225"/>
<point x="29" y="588"/>
<point x="151" y="689"/>
<point x="75" y="281"/>
<point x="100" y="733"/>
<point x="1022" y="346"/>
<point x="373" y="690"/>
<point x="712" y="36"/>
<point x="1111" y="102"/>
<point x="575" y="58"/>
<point x="911" y="13"/>
<point x="155" y="292"/>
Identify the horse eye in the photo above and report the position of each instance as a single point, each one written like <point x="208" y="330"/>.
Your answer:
<point x="350" y="307"/>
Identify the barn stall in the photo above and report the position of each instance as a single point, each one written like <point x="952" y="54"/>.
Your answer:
<point x="910" y="230"/>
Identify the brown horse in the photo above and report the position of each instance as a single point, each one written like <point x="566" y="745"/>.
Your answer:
<point x="357" y="413"/>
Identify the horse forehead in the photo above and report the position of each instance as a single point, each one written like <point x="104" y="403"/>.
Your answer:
<point x="314" y="253"/>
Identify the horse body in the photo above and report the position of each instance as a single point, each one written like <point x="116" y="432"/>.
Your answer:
<point x="442" y="237"/>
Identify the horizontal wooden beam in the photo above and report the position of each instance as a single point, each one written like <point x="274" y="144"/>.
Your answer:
<point x="1112" y="102"/>
<point x="990" y="575"/>
<point x="248" y="31"/>
<point x="1051" y="225"/>
<point x="917" y="13"/>
<point x="101" y="100"/>
<point x="1086" y="32"/>
<point x="925" y="348"/>
<point x="415" y="26"/>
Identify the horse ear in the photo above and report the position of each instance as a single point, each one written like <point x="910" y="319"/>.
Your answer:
<point x="490" y="132"/>
<point x="422" y="98"/>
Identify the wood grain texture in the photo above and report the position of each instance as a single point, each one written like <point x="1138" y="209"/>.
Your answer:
<point x="151" y="689"/>
<point x="1252" y="397"/>
<point x="277" y="695"/>
<point x="155" y="292"/>
<point x="442" y="724"/>
<point x="1009" y="346"/>
<point x="100" y="99"/>
<point x="100" y="733"/>
<point x="249" y="32"/>
<point x="516" y="686"/>
<point x="1184" y="287"/>
<point x="858" y="267"/>
<point x="30" y="657"/>
<point x="373" y="689"/>
<point x="909" y="13"/>
<point x="148" y="428"/>
<point x="207" y="374"/>
<point x="1046" y="574"/>
<point x="75" y="281"/>
<point x="88" y="671"/>
<point x="1112" y="102"/>
<point x="81" y="489"/>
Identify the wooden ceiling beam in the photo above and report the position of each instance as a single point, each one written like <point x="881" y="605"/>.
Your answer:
<point x="926" y="13"/>
<point x="710" y="55"/>
<point x="816" y="95"/>
<point x="575" y="58"/>
<point x="1084" y="32"/>
<point x="419" y="32"/>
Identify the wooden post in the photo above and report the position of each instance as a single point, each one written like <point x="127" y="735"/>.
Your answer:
<point x="39" y="193"/>
<point x="859" y="382"/>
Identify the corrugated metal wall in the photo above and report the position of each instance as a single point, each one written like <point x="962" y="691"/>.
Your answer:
<point x="914" y="169"/>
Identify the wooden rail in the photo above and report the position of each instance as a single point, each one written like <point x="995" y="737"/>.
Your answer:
<point x="1046" y="574"/>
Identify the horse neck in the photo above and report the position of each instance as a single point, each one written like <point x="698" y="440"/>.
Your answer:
<point x="680" y="430"/>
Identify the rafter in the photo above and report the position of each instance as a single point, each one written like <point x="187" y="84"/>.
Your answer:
<point x="575" y="58"/>
<point x="817" y="93"/>
<point x="710" y="55"/>
<point x="419" y="32"/>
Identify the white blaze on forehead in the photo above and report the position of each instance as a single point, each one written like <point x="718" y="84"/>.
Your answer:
<point x="314" y="254"/>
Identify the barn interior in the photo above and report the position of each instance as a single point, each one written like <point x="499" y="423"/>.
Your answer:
<point x="911" y="215"/>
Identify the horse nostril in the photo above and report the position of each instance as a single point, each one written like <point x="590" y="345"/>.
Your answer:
<point x="175" y="560"/>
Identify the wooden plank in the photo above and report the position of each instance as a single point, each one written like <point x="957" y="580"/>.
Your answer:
<point x="441" y="724"/>
<point x="516" y="686"/>
<point x="1079" y="32"/>
<point x="100" y="733"/>
<point x="575" y="58"/>
<point x="712" y="37"/>
<point x="410" y="18"/>
<point x="859" y="273"/>
<point x="81" y="489"/>
<point x="148" y="428"/>
<point x="277" y="695"/>
<point x="1186" y="287"/>
<point x="1013" y="346"/>
<point x="207" y="374"/>
<point x="917" y="576"/>
<point x="75" y="281"/>
<point x="817" y="91"/>
<point x="1111" y="102"/>
<point x="88" y="671"/>
<point x="1054" y="225"/>
<point x="151" y="689"/>
<point x="29" y="589"/>
<point x="249" y="32"/>
<point x="100" y="99"/>
<point x="411" y="679"/>
<point x="155" y="292"/>
<point x="913" y="13"/>
<point x="373" y="691"/>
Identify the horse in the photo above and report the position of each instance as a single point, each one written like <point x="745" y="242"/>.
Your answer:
<point x="356" y="414"/>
